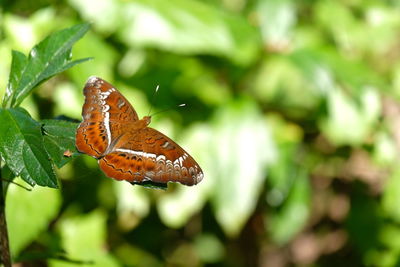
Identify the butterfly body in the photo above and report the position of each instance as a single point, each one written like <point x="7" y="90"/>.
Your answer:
<point x="126" y="148"/>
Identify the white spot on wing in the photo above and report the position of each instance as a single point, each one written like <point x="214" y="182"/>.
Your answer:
<point x="165" y="145"/>
<point x="199" y="177"/>
<point x="137" y="153"/>
<point x="121" y="103"/>
<point x="107" y="122"/>
<point x="179" y="161"/>
<point x="92" y="79"/>
<point x="105" y="109"/>
<point x="106" y="94"/>
<point x="160" y="157"/>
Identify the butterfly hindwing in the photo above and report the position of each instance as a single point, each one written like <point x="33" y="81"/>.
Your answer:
<point x="151" y="156"/>
<point x="91" y="138"/>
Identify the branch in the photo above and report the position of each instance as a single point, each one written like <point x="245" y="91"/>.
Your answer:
<point x="4" y="243"/>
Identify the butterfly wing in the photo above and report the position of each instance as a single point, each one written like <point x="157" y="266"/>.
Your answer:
<point x="105" y="108"/>
<point x="149" y="155"/>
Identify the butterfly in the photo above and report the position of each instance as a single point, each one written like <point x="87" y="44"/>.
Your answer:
<point x="125" y="147"/>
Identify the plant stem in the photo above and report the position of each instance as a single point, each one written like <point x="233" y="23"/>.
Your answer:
<point x="4" y="244"/>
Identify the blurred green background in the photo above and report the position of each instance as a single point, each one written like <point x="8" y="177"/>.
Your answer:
<point x="292" y="113"/>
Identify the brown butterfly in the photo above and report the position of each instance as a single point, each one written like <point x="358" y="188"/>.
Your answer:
<point x="126" y="148"/>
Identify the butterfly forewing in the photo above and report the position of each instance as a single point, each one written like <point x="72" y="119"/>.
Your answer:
<point x="126" y="148"/>
<point x="103" y="110"/>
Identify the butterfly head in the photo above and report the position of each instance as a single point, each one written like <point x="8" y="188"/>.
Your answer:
<point x="147" y="119"/>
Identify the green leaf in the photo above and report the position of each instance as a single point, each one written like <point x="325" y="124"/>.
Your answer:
<point x="22" y="148"/>
<point x="19" y="60"/>
<point x="152" y="185"/>
<point x="109" y="9"/>
<point x="240" y="170"/>
<point x="187" y="26"/>
<point x="293" y="214"/>
<point x="46" y="59"/>
<point x="177" y="207"/>
<point x="276" y="22"/>
<point x="29" y="213"/>
<point x="6" y="173"/>
<point x="299" y="96"/>
<point x="131" y="199"/>
<point x="84" y="238"/>
<point x="59" y="136"/>
<point x="349" y="120"/>
<point x="391" y="196"/>
<point x="209" y="248"/>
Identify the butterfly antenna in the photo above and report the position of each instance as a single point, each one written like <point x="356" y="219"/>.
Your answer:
<point x="164" y="110"/>
<point x="153" y="97"/>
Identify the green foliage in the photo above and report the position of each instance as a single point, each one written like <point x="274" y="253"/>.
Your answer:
<point x="291" y="112"/>
<point x="49" y="57"/>
<point x="27" y="149"/>
<point x="22" y="148"/>
<point x="82" y="238"/>
<point x="179" y="26"/>
<point x="29" y="214"/>
<point x="241" y="133"/>
<point x="59" y="137"/>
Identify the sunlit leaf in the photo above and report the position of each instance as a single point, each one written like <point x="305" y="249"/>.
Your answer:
<point x="242" y="150"/>
<point x="301" y="92"/>
<point x="105" y="56"/>
<point x="385" y="150"/>
<point x="187" y="26"/>
<point x="339" y="20"/>
<point x="133" y="204"/>
<point x="293" y="213"/>
<point x="83" y="238"/>
<point x="177" y="207"/>
<point x="349" y="121"/>
<point x="317" y="73"/>
<point x="391" y="197"/>
<point x="390" y="238"/>
<point x="19" y="61"/>
<point x="29" y="213"/>
<point x="91" y="9"/>
<point x="135" y="256"/>
<point x="352" y="35"/>
<point x="209" y="248"/>
<point x="277" y="20"/>
<point x="49" y="57"/>
<point x="325" y="69"/>
<point x="282" y="175"/>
